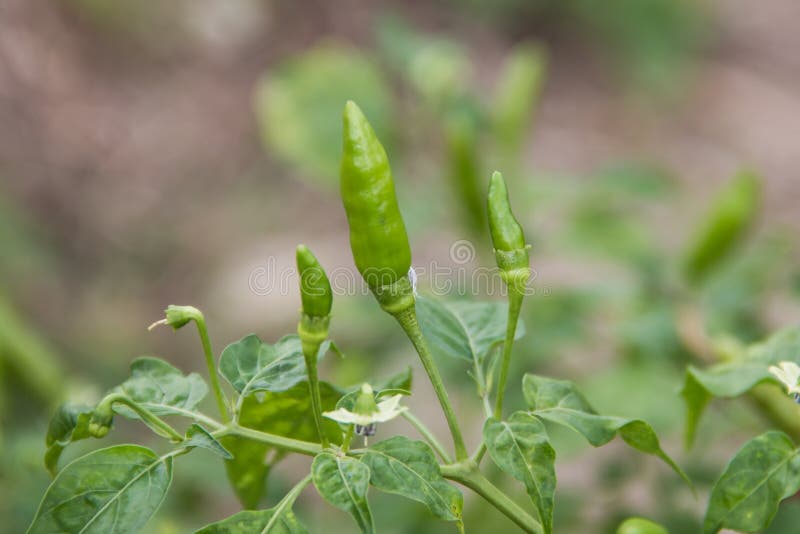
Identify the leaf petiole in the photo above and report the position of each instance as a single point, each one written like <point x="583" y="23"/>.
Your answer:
<point x="158" y="425"/>
<point x="428" y="435"/>
<point x="286" y="502"/>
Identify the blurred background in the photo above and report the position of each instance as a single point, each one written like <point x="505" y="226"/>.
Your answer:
<point x="166" y="152"/>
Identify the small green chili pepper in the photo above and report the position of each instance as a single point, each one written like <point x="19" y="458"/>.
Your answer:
<point x="378" y="235"/>
<point x="510" y="249"/>
<point x="315" y="289"/>
<point x="317" y="299"/>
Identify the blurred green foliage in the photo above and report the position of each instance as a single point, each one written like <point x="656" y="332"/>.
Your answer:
<point x="299" y="106"/>
<point x="420" y="92"/>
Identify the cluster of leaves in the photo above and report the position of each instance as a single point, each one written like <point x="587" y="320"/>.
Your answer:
<point x="766" y="470"/>
<point x="116" y="489"/>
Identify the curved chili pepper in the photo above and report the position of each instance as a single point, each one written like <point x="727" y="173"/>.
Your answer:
<point x="378" y="235"/>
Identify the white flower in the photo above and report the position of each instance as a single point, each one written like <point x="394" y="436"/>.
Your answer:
<point x="379" y="413"/>
<point x="789" y="374"/>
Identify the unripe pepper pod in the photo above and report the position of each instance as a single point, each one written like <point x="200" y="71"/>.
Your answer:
<point x="733" y="213"/>
<point x="315" y="289"/>
<point x="510" y="249"/>
<point x="317" y="299"/>
<point x="378" y="235"/>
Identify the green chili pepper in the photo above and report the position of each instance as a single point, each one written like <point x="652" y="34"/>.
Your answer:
<point x="315" y="289"/>
<point x="462" y="128"/>
<point x="317" y="299"/>
<point x="518" y="94"/>
<point x="510" y="249"/>
<point x="511" y="254"/>
<point x="380" y="244"/>
<point x="378" y="235"/>
<point x="733" y="213"/>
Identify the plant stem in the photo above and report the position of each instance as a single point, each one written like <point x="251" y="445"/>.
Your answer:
<point x="483" y="386"/>
<point x="198" y="417"/>
<point x="428" y="435"/>
<point x="347" y="439"/>
<point x="289" y="444"/>
<point x="212" y="369"/>
<point x="468" y="475"/>
<point x="514" y="306"/>
<point x="316" y="400"/>
<point x="408" y="321"/>
<point x="478" y="456"/>
<point x="287" y="501"/>
<point x="160" y="426"/>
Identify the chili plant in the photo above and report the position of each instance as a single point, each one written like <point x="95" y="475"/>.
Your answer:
<point x="277" y="405"/>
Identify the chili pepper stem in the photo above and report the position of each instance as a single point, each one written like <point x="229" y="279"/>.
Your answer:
<point x="280" y="442"/>
<point x="426" y="433"/>
<point x="478" y="456"/>
<point x="157" y="424"/>
<point x="313" y="386"/>
<point x="467" y="474"/>
<point x="407" y="319"/>
<point x="514" y="306"/>
<point x="347" y="439"/>
<point x="212" y="369"/>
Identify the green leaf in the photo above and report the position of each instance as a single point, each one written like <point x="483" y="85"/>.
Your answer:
<point x="560" y="402"/>
<point x="299" y="106"/>
<point x="248" y="471"/>
<point x="288" y="414"/>
<point x="731" y="379"/>
<point x="409" y="468"/>
<point x="765" y="471"/>
<point x="251" y="365"/>
<point x="252" y="521"/>
<point x="521" y="448"/>
<point x="402" y="380"/>
<point x="161" y="388"/>
<point x="197" y="436"/>
<point x="464" y="329"/>
<point x="108" y="491"/>
<point x="343" y="482"/>
<point x="69" y="423"/>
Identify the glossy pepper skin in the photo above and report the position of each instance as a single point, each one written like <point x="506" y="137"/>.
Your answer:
<point x="315" y="289"/>
<point x="378" y="235"/>
<point x="510" y="249"/>
<point x="317" y="299"/>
